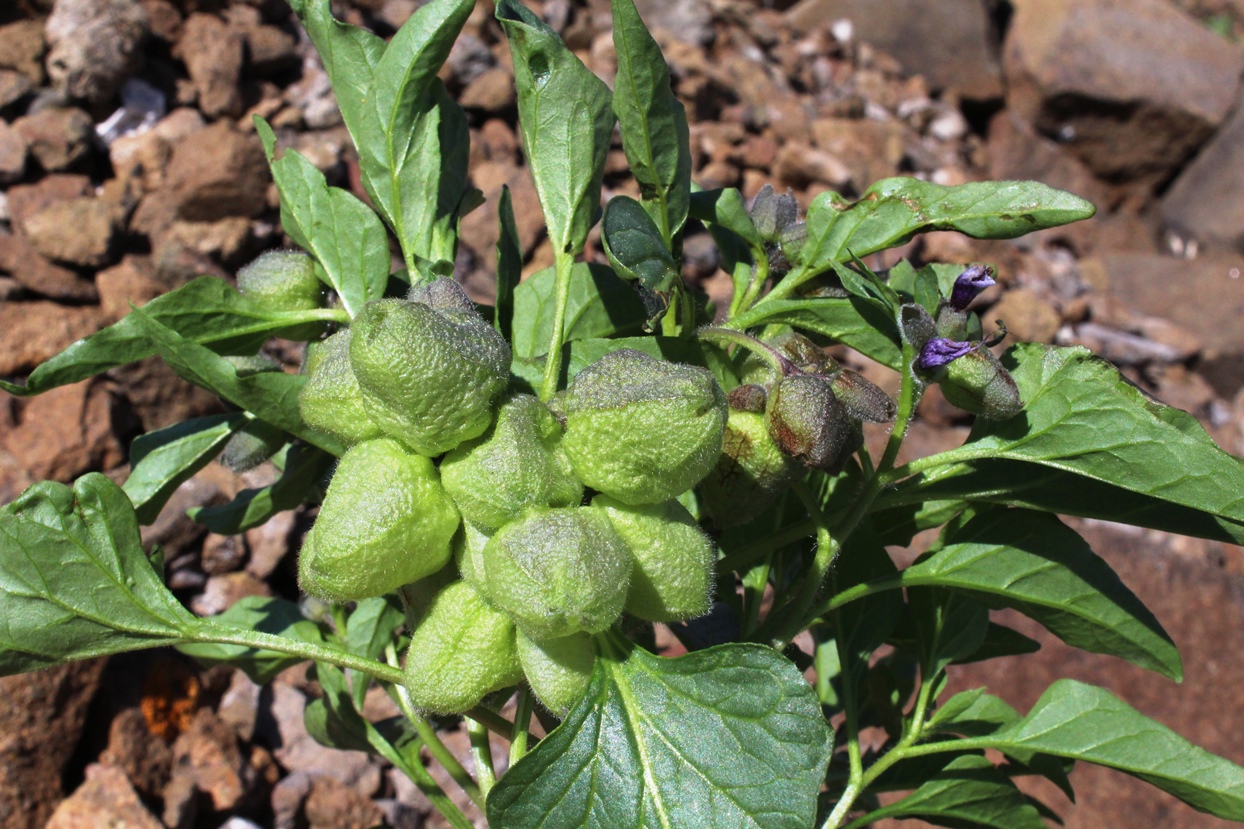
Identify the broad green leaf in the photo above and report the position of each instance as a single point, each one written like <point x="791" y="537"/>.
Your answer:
<point x="1083" y="722"/>
<point x="949" y="627"/>
<point x="163" y="460"/>
<point x="305" y="468"/>
<point x="74" y="581"/>
<point x="675" y="743"/>
<point x="267" y="615"/>
<point x="653" y="122"/>
<point x="333" y="721"/>
<point x="566" y="121"/>
<point x="1034" y="563"/>
<point x="346" y="238"/>
<point x="894" y="209"/>
<point x="372" y="625"/>
<point x="726" y="208"/>
<point x="207" y="310"/>
<point x="862" y="626"/>
<point x="969" y="791"/>
<point x="349" y="55"/>
<point x="849" y="320"/>
<point x="972" y="713"/>
<point x="509" y="265"/>
<point x="269" y="395"/>
<point x="599" y="305"/>
<point x="1000" y="641"/>
<point x="635" y="248"/>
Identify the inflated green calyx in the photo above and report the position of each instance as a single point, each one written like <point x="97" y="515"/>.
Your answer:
<point x="251" y="445"/>
<point x="672" y="575"/>
<point x="518" y="463"/>
<point x="429" y="376"/>
<point x="285" y="280"/>
<point x="806" y="420"/>
<point x="558" y="571"/>
<point x="978" y="383"/>
<point x="461" y="651"/>
<point x="642" y="430"/>
<point x="750" y="473"/>
<point x="385" y="522"/>
<point x="558" y="670"/>
<point x="469" y="555"/>
<point x="331" y="401"/>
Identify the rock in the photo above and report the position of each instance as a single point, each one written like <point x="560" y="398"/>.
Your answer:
<point x="690" y="20"/>
<point x="218" y="172"/>
<point x="90" y="243"/>
<point x="270" y="51"/>
<point x="94" y="46"/>
<point x="1133" y="87"/>
<point x="106" y="799"/>
<point x="281" y="727"/>
<point x="1206" y="201"/>
<point x="334" y="805"/>
<point x="22" y="46"/>
<point x="59" y="139"/>
<point x="164" y="19"/>
<point x="229" y="239"/>
<point x="65" y="432"/>
<point x="798" y="165"/>
<point x="14" y="87"/>
<point x="118" y="286"/>
<point x="1028" y="316"/>
<point x="31" y="332"/>
<point x="40" y="276"/>
<point x="493" y="92"/>
<point x="213" y="54"/>
<point x="239" y="707"/>
<point x="313" y="95"/>
<point x="871" y="150"/>
<point x="222" y="591"/>
<point x="25" y="200"/>
<point x="209" y="756"/>
<point x="13" y="150"/>
<point x="469" y="58"/>
<point x="951" y="42"/>
<point x="37" y="738"/>
<point x="479" y="228"/>
<point x="146" y="762"/>
<point x="269" y="543"/>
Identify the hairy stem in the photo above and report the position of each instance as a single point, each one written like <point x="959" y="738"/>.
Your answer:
<point x="481" y="754"/>
<point x="563" y="263"/>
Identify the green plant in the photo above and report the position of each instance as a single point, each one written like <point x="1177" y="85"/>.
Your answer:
<point x="607" y="458"/>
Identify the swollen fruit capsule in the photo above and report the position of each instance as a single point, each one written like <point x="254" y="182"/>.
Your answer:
<point x="461" y="651"/>
<point x="385" y="522"/>
<point x="642" y="430"/>
<point x="331" y="401"/>
<point x="558" y="670"/>
<point x="558" y="571"/>
<point x="750" y="473"/>
<point x="978" y="383"/>
<point x="285" y="280"/>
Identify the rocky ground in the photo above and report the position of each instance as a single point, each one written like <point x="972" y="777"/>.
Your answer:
<point x="129" y="122"/>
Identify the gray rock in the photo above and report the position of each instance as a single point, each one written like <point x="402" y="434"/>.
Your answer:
<point x="281" y="726"/>
<point x="690" y="20"/>
<point x="94" y="46"/>
<point x="1133" y="87"/>
<point x="1206" y="201"/>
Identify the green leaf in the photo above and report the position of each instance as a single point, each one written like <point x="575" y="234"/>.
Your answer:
<point x="726" y="208"/>
<point x="566" y="122"/>
<point x="305" y="468"/>
<point x="163" y="460"/>
<point x="349" y="54"/>
<point x="895" y="209"/>
<point x="1000" y="641"/>
<point x="207" y="310"/>
<point x="635" y="248"/>
<point x="270" y="395"/>
<point x="1032" y="562"/>
<point x="509" y="265"/>
<point x="267" y="615"/>
<point x="673" y="743"/>
<point x="372" y="625"/>
<point x="850" y="320"/>
<point x="1083" y="722"/>
<point x="968" y="791"/>
<point x="74" y="581"/>
<point x="949" y="627"/>
<point x="599" y="305"/>
<point x="653" y="122"/>
<point x="346" y="238"/>
<point x="972" y="713"/>
<point x="861" y="627"/>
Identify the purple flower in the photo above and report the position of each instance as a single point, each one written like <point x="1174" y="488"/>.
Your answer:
<point x="939" y="352"/>
<point x="970" y="283"/>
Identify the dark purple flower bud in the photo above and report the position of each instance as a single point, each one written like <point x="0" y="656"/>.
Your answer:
<point x="969" y="284"/>
<point x="939" y="352"/>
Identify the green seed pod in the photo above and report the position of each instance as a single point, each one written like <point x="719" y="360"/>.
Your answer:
<point x="285" y="280"/>
<point x="672" y="576"/>
<point x="976" y="382"/>
<point x="750" y="474"/>
<point x="517" y="464"/>
<point x="331" y="401"/>
<point x="806" y="420"/>
<point x="385" y="522"/>
<point x="469" y="555"/>
<point x="642" y="430"/>
<point x="558" y="571"/>
<point x="558" y="670"/>
<point x="250" y="446"/>
<point x="429" y="376"/>
<point x="461" y="651"/>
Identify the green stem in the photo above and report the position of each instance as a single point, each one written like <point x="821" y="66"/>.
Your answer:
<point x="746" y="556"/>
<point x="491" y="720"/>
<point x="780" y="365"/>
<point x="850" y="706"/>
<point x="211" y="632"/>
<point x="754" y="582"/>
<point x="414" y="769"/>
<point x="440" y="753"/>
<point x="792" y="618"/>
<point x="481" y="753"/>
<point x="563" y="263"/>
<point x="757" y="283"/>
<point x="522" y="726"/>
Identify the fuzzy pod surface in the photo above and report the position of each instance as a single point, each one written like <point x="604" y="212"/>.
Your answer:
<point x="806" y="420"/>
<point x="750" y="473"/>
<point x="386" y="521"/>
<point x="460" y="651"/>
<point x="285" y="280"/>
<point x="558" y="670"/>
<point x="558" y="571"/>
<point x="518" y="463"/>
<point x="977" y="382"/>
<point x="642" y="430"/>
<point x="331" y="401"/>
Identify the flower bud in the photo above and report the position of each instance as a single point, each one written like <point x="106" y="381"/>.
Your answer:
<point x="969" y="284"/>
<point x="862" y="399"/>
<point x="251" y="445"/>
<point x="285" y="280"/>
<point x="385" y="522"/>
<point x="642" y="430"/>
<point x="750" y="473"/>
<point x="558" y="571"/>
<point x="976" y="382"/>
<point x="672" y="575"/>
<point x="558" y="670"/>
<point x="517" y="464"/>
<point x="940" y="352"/>
<point x="331" y="401"/>
<point x="461" y="651"/>
<point x="806" y="420"/>
<point x="429" y="377"/>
